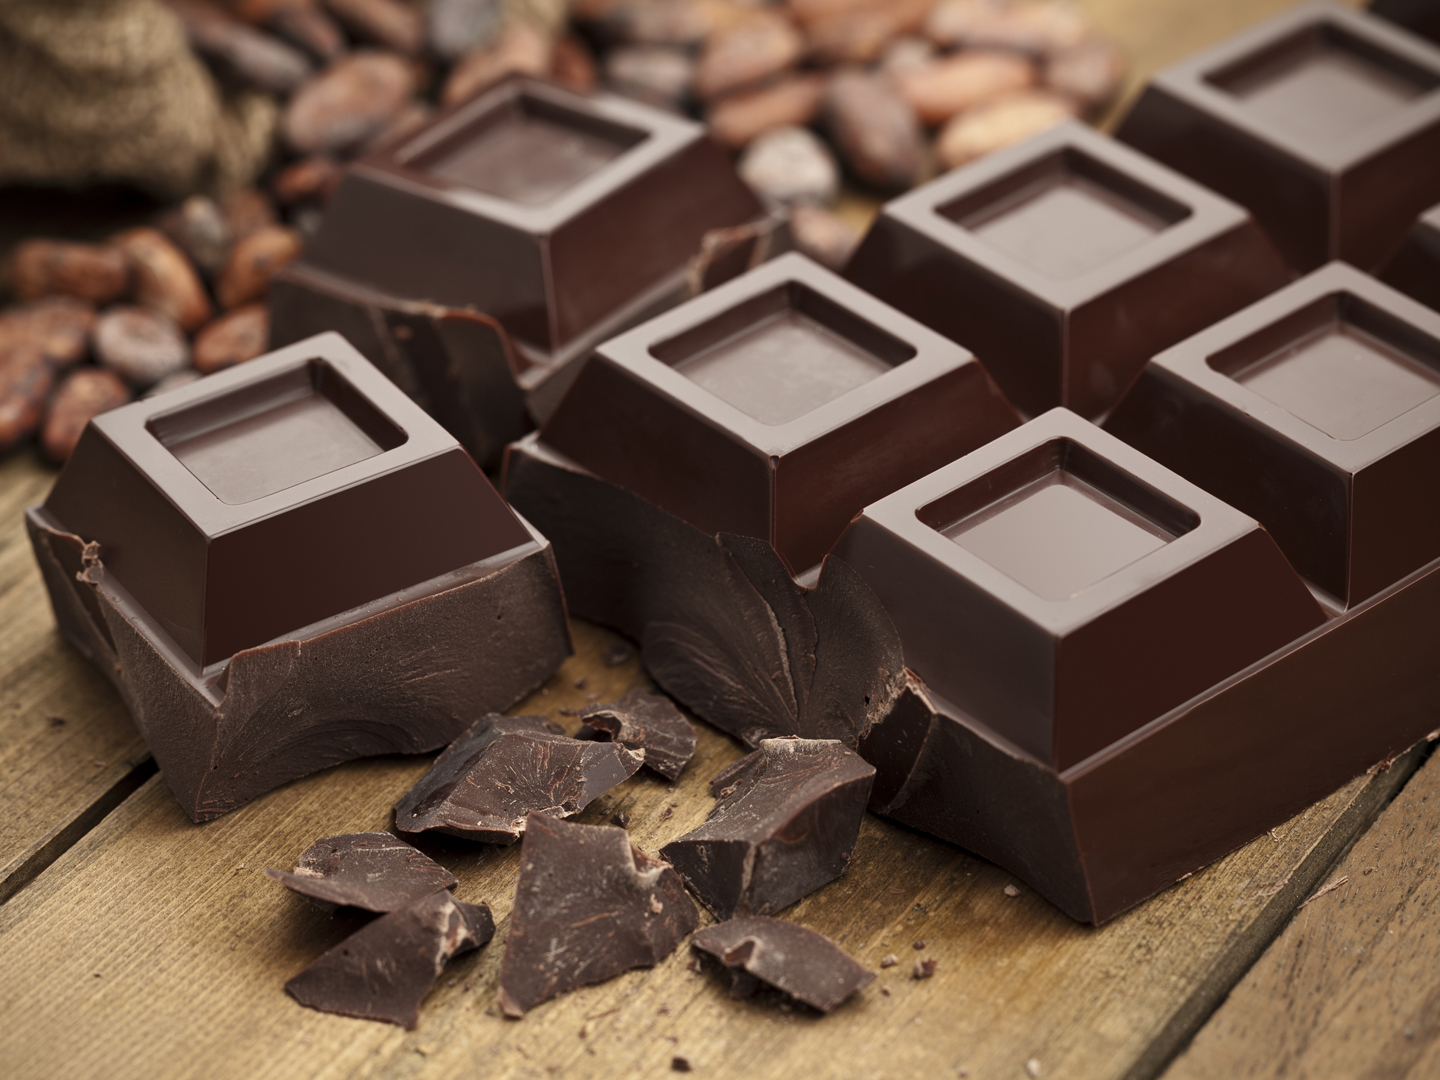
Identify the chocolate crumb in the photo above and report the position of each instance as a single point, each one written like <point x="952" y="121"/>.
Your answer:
<point x="680" y="1064"/>
<point x="55" y="721"/>
<point x="569" y="712"/>
<point x="620" y="818"/>
<point x="885" y="990"/>
<point x="889" y="960"/>
<point x="581" y="683"/>
<point x="1011" y="890"/>
<point x="923" y="969"/>
<point x="918" y="945"/>
<point x="1370" y="869"/>
<point x="617" y="654"/>
<point x="667" y="813"/>
<point x="664" y="1009"/>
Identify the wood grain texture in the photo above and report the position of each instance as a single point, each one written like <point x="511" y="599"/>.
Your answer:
<point x="1351" y="987"/>
<point x="68" y="751"/>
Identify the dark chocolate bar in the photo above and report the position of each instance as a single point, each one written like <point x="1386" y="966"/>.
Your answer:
<point x="786" y="823"/>
<point x="1415" y="270"/>
<point x="370" y="871"/>
<point x="1324" y="122"/>
<point x="797" y="961"/>
<point x="262" y="562"/>
<point x="588" y="906"/>
<point x="649" y="722"/>
<point x="1065" y="263"/>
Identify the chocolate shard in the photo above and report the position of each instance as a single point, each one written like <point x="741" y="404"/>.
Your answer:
<point x="787" y="820"/>
<point x="505" y="767"/>
<point x="806" y="965"/>
<point x="588" y="906"/>
<point x="384" y="971"/>
<point x="649" y="722"/>
<point x="370" y="870"/>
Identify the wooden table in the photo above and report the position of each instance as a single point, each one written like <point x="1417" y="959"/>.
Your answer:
<point x="136" y="944"/>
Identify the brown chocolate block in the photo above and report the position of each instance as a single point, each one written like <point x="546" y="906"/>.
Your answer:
<point x="806" y="965"/>
<point x="384" y="970"/>
<point x="503" y="769"/>
<point x="1415" y="270"/>
<point x="1418" y="16"/>
<point x="649" y="722"/>
<point x="588" y="906"/>
<point x="1035" y="578"/>
<point x="371" y="871"/>
<point x="1324" y="122"/>
<point x="787" y="821"/>
<point x="775" y="407"/>
<point x="1060" y="263"/>
<point x="262" y="560"/>
<point x="1317" y="411"/>
<point x="563" y="216"/>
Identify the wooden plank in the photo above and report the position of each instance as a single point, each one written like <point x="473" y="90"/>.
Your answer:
<point x="68" y="751"/>
<point x="1351" y="987"/>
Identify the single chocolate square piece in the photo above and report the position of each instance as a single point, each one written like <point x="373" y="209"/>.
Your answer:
<point x="1063" y="590"/>
<point x="1324" y="122"/>
<point x="196" y="539"/>
<point x="1317" y="411"/>
<point x="776" y="406"/>
<point x="564" y="216"/>
<point x="1415" y="270"/>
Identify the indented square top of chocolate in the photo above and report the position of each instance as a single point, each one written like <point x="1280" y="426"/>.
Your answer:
<point x="1064" y="590"/>
<point x="1057" y="263"/>
<point x="776" y="406"/>
<point x="556" y="213"/>
<point x="274" y="496"/>
<point x="1316" y="410"/>
<point x="1324" y="122"/>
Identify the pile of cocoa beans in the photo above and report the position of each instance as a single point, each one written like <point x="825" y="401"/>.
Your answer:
<point x="815" y="97"/>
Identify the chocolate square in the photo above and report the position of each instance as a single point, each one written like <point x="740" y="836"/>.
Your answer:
<point x="776" y="406"/>
<point x="1324" y="122"/>
<point x="1064" y="264"/>
<point x="1064" y="590"/>
<point x="1317" y="411"/>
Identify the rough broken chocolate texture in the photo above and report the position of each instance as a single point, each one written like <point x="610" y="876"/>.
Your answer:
<point x="504" y="768"/>
<point x="802" y="963"/>
<point x="371" y="870"/>
<point x="384" y="971"/>
<point x="787" y="821"/>
<point x="722" y="625"/>
<point x="648" y="722"/>
<point x="588" y="906"/>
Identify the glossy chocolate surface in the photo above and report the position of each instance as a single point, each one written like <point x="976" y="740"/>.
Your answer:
<point x="649" y="722"/>
<point x="1324" y="122"/>
<point x="1061" y="264"/>
<point x="1032" y="579"/>
<point x="1317" y="411"/>
<point x="276" y="495"/>
<point x="775" y="407"/>
<point x="551" y="211"/>
<point x="1415" y="270"/>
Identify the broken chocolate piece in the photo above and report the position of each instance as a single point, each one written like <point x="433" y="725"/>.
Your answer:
<point x="384" y="971"/>
<point x="505" y="767"/>
<point x="788" y="818"/>
<point x="802" y="963"/>
<point x="371" y="870"/>
<point x="648" y="722"/>
<point x="588" y="906"/>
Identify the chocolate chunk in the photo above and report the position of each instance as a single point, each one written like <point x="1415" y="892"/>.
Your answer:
<point x="385" y="970"/>
<point x="588" y="906"/>
<point x="802" y="963"/>
<point x="649" y="722"/>
<point x="923" y="969"/>
<point x="371" y="870"/>
<point x="788" y="818"/>
<point x="506" y="767"/>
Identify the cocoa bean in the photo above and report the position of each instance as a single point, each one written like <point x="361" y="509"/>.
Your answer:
<point x="572" y="66"/>
<point x="237" y="336"/>
<point x="381" y="22"/>
<point x="523" y="48"/>
<point x="58" y="326"/>
<point x="1037" y="27"/>
<point x="875" y="129"/>
<point x="95" y="272"/>
<point x="240" y="52"/>
<point x="860" y="34"/>
<point x="457" y="27"/>
<point x="905" y="54"/>
<point x="86" y="393"/>
<point x="25" y="382"/>
<point x="310" y="29"/>
<point x="198" y="228"/>
<point x="742" y="55"/>
<point x="1089" y="73"/>
<point x="140" y="345"/>
<point x="659" y="74"/>
<point x="311" y="179"/>
<point x="739" y="118"/>
<point x="824" y="236"/>
<point x="164" y="278"/>
<point x="349" y="103"/>
<point x="1000" y="123"/>
<point x="246" y="211"/>
<point x="953" y="84"/>
<point x="172" y="382"/>
<point x="254" y="261"/>
<point x="673" y="22"/>
<point x="791" y="165"/>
